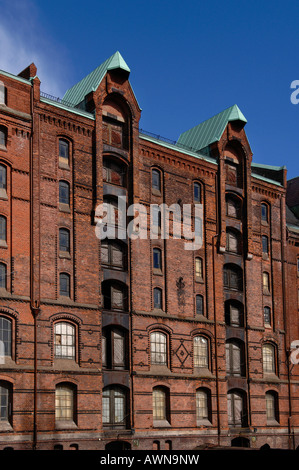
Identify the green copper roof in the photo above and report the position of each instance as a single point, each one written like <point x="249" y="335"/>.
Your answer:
<point x="77" y="93"/>
<point x="211" y="130"/>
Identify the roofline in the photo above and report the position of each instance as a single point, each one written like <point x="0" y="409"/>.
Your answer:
<point x="68" y="108"/>
<point x="269" y="167"/>
<point x="16" y="77"/>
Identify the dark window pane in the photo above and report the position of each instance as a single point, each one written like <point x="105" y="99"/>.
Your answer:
<point x="157" y="258"/>
<point x="267" y="315"/>
<point x="157" y="298"/>
<point x="3" y="275"/>
<point x="5" y="335"/>
<point x="2" y="228"/>
<point x="2" y="177"/>
<point x="264" y="212"/>
<point x="2" y="136"/>
<point x="265" y="244"/>
<point x="199" y="305"/>
<point x="64" y="150"/>
<point x="197" y="192"/>
<point x="64" y="284"/>
<point x="156" y="180"/>
<point x="64" y="240"/>
<point x="64" y="192"/>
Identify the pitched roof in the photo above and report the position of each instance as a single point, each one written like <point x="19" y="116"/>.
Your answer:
<point x="210" y="130"/>
<point x="77" y="93"/>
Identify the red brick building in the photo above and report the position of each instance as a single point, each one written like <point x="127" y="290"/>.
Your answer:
<point x="139" y="342"/>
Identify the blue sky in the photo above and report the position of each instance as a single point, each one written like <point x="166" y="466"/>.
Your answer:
<point x="189" y="60"/>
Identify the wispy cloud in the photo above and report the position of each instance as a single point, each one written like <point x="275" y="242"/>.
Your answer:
<point x="22" y="41"/>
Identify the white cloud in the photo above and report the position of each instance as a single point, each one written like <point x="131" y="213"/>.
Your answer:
<point x="22" y="42"/>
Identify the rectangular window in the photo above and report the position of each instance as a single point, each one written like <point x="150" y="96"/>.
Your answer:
<point x="266" y="283"/>
<point x="199" y="305"/>
<point x="265" y="245"/>
<point x="157" y="258"/>
<point x="198" y="269"/>
<point x="267" y="315"/>
<point x="157" y="298"/>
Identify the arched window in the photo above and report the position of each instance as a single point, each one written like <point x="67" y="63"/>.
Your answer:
<point x="267" y="316"/>
<point x="65" y="402"/>
<point x="65" y="340"/>
<point x="198" y="269"/>
<point x="233" y="207"/>
<point x="203" y="405"/>
<point x="236" y="408"/>
<point x="269" y="362"/>
<point x="272" y="407"/>
<point x="265" y="213"/>
<point x="64" y="240"/>
<point x="64" y="193"/>
<point x="200" y="352"/>
<point x="156" y="181"/>
<point x="3" y="177"/>
<point x="64" y="152"/>
<point x="161" y="404"/>
<point x="234" y="313"/>
<point x="235" y="358"/>
<point x="199" y="304"/>
<point x="233" y="241"/>
<point x="157" y="259"/>
<point x="266" y="283"/>
<point x="3" y="136"/>
<point x="5" y="402"/>
<point x="158" y="298"/>
<point x="233" y="167"/>
<point x="3" y="231"/>
<point x="113" y="254"/>
<point x="113" y="172"/>
<point x="265" y="246"/>
<point x="196" y="192"/>
<point x="114" y="412"/>
<point x="64" y="284"/>
<point x="114" y="295"/>
<point x="114" y="348"/>
<point x="232" y="277"/>
<point x="158" y="342"/>
<point x="3" y="276"/>
<point x="6" y="336"/>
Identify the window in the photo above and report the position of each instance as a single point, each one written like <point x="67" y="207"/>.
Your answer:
<point x="264" y="212"/>
<point x="298" y="267"/>
<point x="65" y="340"/>
<point x="199" y="305"/>
<point x="112" y="254"/>
<point x="265" y="245"/>
<point x="114" y="295"/>
<point x="158" y="343"/>
<point x="234" y="315"/>
<point x="3" y="232"/>
<point x="64" y="284"/>
<point x="3" y="136"/>
<point x="268" y="359"/>
<point x="160" y="404"/>
<point x="5" y="402"/>
<point x="64" y="193"/>
<point x="6" y="335"/>
<point x="200" y="352"/>
<point x="2" y="93"/>
<point x="203" y="405"/>
<point x="157" y="259"/>
<point x="3" y="276"/>
<point x="113" y="172"/>
<point x="198" y="269"/>
<point x="267" y="316"/>
<point x="65" y="397"/>
<point x="235" y="361"/>
<point x="114" y="407"/>
<point x="237" y="415"/>
<point x="156" y="219"/>
<point x="232" y="241"/>
<point x="156" y="180"/>
<point x="272" y="406"/>
<point x="3" y="178"/>
<point x="158" y="298"/>
<point x="233" y="277"/>
<point x="196" y="192"/>
<point x="233" y="207"/>
<point x="64" y="240"/>
<point x="114" y="348"/>
<point x="266" y="283"/>
<point x="64" y="157"/>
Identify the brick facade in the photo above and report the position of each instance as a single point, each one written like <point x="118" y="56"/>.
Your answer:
<point x="66" y="300"/>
